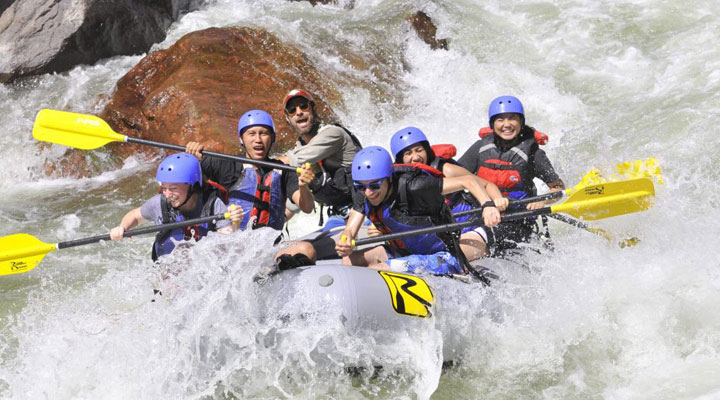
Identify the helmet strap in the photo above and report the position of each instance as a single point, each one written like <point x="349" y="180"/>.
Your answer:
<point x="189" y="195"/>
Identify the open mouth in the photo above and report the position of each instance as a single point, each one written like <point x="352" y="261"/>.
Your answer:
<point x="302" y="121"/>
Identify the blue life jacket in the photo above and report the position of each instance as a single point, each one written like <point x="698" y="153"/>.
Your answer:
<point x="396" y="216"/>
<point x="163" y="241"/>
<point x="261" y="197"/>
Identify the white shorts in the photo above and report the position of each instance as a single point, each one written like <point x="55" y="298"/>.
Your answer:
<point x="480" y="231"/>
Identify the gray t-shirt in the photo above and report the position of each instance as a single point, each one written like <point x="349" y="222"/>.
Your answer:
<point x="151" y="211"/>
<point x="332" y="145"/>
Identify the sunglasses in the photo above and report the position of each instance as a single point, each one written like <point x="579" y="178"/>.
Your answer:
<point x="304" y="106"/>
<point x="374" y="185"/>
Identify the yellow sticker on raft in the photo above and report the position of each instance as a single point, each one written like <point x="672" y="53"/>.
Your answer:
<point x="410" y="294"/>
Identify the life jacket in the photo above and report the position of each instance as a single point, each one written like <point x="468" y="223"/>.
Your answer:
<point x="444" y="151"/>
<point x="333" y="185"/>
<point x="510" y="170"/>
<point x="260" y="196"/>
<point x="163" y="244"/>
<point x="397" y="216"/>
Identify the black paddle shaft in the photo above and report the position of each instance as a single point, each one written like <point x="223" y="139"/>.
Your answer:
<point x="141" y="231"/>
<point x="261" y="163"/>
<point x="450" y="227"/>
<point x="514" y="203"/>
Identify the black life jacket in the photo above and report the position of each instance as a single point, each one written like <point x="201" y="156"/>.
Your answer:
<point x="399" y="216"/>
<point x="334" y="185"/>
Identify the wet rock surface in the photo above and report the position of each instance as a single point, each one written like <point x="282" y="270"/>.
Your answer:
<point x="41" y="36"/>
<point x="427" y="30"/>
<point x="198" y="88"/>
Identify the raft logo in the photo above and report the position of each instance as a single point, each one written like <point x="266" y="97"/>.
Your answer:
<point x="87" y="121"/>
<point x="18" y="265"/>
<point x="595" y="190"/>
<point x="410" y="295"/>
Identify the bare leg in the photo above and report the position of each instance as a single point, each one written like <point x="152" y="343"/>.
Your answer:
<point x="473" y="246"/>
<point x="366" y="257"/>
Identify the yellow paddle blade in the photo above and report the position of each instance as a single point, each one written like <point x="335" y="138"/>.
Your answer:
<point x="81" y="131"/>
<point x="593" y="177"/>
<point x="609" y="199"/>
<point x="648" y="168"/>
<point x="21" y="253"/>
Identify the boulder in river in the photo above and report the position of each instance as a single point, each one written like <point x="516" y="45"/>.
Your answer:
<point x="42" y="36"/>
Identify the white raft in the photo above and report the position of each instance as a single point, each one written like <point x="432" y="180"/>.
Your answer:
<point x="370" y="301"/>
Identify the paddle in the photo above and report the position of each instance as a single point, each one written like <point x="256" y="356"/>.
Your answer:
<point x="629" y="242"/>
<point x="626" y="170"/>
<point x="594" y="202"/>
<point x="647" y="168"/>
<point x="22" y="252"/>
<point x="514" y="203"/>
<point x="88" y="132"/>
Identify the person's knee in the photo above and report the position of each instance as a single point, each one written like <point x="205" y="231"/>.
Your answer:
<point x="473" y="246"/>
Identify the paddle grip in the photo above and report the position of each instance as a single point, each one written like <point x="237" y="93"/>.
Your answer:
<point x="168" y="146"/>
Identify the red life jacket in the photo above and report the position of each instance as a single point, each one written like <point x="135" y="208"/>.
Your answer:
<point x="446" y="151"/>
<point x="430" y="170"/>
<point x="260" y="194"/>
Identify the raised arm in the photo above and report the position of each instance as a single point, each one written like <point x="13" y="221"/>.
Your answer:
<point x="303" y="197"/>
<point x="491" y="215"/>
<point x="129" y="221"/>
<point x="452" y="170"/>
<point x="354" y="223"/>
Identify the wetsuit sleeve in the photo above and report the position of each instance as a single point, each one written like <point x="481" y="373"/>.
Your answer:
<point x="224" y="172"/>
<point x="425" y="194"/>
<point x="150" y="210"/>
<point x="469" y="159"/>
<point x="290" y="184"/>
<point x="543" y="168"/>
<point x="328" y="141"/>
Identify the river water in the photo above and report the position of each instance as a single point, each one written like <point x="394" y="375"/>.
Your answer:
<point x="609" y="81"/>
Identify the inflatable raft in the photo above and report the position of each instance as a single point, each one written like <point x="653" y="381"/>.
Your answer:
<point x="371" y="302"/>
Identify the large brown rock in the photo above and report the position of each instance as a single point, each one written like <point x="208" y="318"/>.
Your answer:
<point x="198" y="88"/>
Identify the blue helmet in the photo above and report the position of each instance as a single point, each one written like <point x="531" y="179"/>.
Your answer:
<point x="505" y="104"/>
<point x="180" y="168"/>
<point x="405" y="138"/>
<point x="372" y="163"/>
<point x="255" y="118"/>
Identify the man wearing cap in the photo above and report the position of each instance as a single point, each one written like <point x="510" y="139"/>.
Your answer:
<point x="329" y="146"/>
